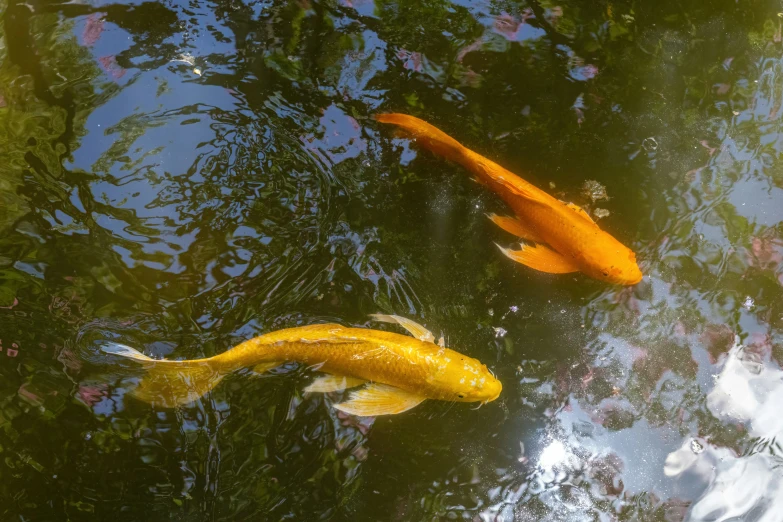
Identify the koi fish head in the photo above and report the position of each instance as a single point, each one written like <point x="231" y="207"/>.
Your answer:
<point x="615" y="265"/>
<point x="464" y="379"/>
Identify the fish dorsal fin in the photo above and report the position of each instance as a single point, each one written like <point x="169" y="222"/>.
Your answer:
<point x="580" y="211"/>
<point x="326" y="327"/>
<point x="518" y="190"/>
<point x="331" y="383"/>
<point x="492" y="173"/>
<point x="415" y="329"/>
<point x="379" y="399"/>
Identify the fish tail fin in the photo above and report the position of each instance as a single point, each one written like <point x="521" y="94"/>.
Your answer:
<point x="174" y="383"/>
<point x="168" y="384"/>
<point x="487" y="172"/>
<point x="429" y="136"/>
<point x="125" y="351"/>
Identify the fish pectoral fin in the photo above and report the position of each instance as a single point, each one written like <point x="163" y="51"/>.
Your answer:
<point x="514" y="226"/>
<point x="331" y="383"/>
<point x="379" y="399"/>
<point x="266" y="366"/>
<point x="580" y="211"/>
<point x="415" y="329"/>
<point x="541" y="258"/>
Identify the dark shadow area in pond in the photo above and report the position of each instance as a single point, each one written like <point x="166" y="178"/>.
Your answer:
<point x="181" y="176"/>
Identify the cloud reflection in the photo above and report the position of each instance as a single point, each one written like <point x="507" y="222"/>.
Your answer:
<point x="747" y="486"/>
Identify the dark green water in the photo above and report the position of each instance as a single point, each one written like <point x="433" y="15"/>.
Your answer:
<point x="182" y="176"/>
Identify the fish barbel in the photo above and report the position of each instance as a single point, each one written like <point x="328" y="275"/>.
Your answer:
<point x="566" y="238"/>
<point x="397" y="372"/>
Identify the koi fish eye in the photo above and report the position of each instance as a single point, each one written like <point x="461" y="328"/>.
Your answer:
<point x="461" y="395"/>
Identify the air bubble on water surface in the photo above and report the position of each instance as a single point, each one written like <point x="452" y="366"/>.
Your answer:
<point x="748" y="303"/>
<point x="650" y="144"/>
<point x="696" y="446"/>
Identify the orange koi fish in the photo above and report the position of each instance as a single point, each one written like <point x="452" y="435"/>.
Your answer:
<point x="565" y="238"/>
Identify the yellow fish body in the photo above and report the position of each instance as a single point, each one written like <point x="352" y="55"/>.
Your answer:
<point x="398" y="372"/>
<point x="567" y="239"/>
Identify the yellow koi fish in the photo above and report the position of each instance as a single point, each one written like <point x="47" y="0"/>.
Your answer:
<point x="566" y="238"/>
<point x="397" y="372"/>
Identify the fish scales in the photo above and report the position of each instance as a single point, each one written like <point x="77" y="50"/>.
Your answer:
<point x="372" y="355"/>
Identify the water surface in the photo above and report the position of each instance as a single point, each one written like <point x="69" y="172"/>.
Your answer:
<point x="181" y="176"/>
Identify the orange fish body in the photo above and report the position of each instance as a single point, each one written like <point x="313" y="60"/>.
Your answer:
<point x="566" y="238"/>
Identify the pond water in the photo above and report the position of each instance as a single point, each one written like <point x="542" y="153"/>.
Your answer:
<point x="182" y="176"/>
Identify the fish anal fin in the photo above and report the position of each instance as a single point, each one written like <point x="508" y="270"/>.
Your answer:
<point x="266" y="366"/>
<point x="415" y="329"/>
<point x="541" y="258"/>
<point x="331" y="383"/>
<point x="514" y="226"/>
<point x="580" y="211"/>
<point x="379" y="399"/>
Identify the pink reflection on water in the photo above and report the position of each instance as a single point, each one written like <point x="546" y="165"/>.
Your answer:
<point x="475" y="46"/>
<point x="27" y="394"/>
<point x="411" y="60"/>
<point x="507" y="26"/>
<point x="766" y="252"/>
<point x="93" y="29"/>
<point x="69" y="359"/>
<point x="16" y="302"/>
<point x="717" y="340"/>
<point x="92" y="394"/>
<point x="109" y="64"/>
<point x="607" y="471"/>
<point x="363" y="424"/>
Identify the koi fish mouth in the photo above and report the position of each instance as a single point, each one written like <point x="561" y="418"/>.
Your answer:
<point x="500" y="389"/>
<point x="482" y="403"/>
